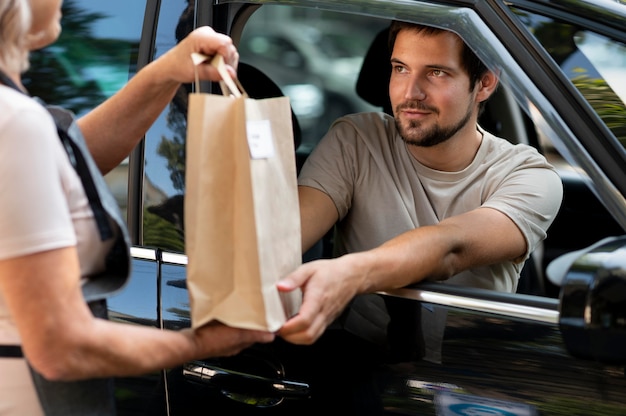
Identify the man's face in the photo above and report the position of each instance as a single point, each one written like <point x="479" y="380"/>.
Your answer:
<point x="429" y="90"/>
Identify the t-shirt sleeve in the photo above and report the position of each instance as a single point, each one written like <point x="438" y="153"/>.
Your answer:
<point x="531" y="196"/>
<point x="35" y="215"/>
<point x="332" y="166"/>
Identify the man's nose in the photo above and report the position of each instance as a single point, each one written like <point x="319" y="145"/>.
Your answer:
<point x="415" y="90"/>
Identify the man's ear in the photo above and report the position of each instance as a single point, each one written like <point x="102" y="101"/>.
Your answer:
<point x="486" y="86"/>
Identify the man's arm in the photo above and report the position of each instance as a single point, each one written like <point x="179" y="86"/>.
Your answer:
<point x="115" y="127"/>
<point x="317" y="215"/>
<point x="479" y="237"/>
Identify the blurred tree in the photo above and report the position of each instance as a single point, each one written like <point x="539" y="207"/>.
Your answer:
<point x="173" y="149"/>
<point x="160" y="233"/>
<point x="54" y="75"/>
<point x="75" y="72"/>
<point x="605" y="102"/>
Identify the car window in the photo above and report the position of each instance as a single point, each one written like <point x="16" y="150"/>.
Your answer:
<point x="316" y="68"/>
<point x="164" y="148"/>
<point x="594" y="63"/>
<point x="314" y="57"/>
<point x="519" y="111"/>
<point x="94" y="57"/>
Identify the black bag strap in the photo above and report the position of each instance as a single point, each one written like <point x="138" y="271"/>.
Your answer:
<point x="11" y="351"/>
<point x="77" y="160"/>
<point x="9" y="82"/>
<point x="106" y="209"/>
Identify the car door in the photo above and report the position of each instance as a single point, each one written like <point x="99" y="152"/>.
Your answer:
<point x="137" y="304"/>
<point x="505" y="352"/>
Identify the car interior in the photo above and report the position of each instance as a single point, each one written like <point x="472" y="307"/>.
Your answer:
<point x="503" y="117"/>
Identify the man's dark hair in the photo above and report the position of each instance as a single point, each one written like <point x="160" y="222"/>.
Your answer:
<point x="474" y="67"/>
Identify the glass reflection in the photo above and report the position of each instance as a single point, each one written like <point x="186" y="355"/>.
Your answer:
<point x="594" y="63"/>
<point x="164" y="165"/>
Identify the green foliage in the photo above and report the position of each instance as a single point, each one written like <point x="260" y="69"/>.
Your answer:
<point x="173" y="150"/>
<point x="605" y="102"/>
<point x="161" y="233"/>
<point x="70" y="72"/>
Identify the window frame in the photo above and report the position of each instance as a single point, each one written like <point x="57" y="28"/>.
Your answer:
<point x="498" y="36"/>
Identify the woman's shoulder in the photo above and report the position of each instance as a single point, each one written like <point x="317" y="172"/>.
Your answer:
<point x="19" y="111"/>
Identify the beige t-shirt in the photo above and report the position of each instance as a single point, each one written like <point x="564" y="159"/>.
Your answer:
<point x="381" y="191"/>
<point x="44" y="208"/>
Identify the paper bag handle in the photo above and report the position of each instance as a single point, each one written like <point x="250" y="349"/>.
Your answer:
<point x="228" y="84"/>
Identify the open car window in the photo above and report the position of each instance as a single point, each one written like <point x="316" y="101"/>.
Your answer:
<point x="316" y="58"/>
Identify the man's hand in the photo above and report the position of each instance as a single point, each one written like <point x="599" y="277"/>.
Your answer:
<point x="327" y="287"/>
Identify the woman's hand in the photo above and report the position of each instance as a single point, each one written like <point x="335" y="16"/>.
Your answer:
<point x="115" y="127"/>
<point x="217" y="340"/>
<point x="176" y="64"/>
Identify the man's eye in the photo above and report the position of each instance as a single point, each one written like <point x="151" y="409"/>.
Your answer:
<point x="437" y="72"/>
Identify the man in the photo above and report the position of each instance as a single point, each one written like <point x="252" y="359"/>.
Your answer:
<point x="426" y="194"/>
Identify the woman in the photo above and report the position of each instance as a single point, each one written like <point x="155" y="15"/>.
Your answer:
<point x="49" y="237"/>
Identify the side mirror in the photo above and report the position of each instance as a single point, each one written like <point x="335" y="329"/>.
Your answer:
<point x="592" y="303"/>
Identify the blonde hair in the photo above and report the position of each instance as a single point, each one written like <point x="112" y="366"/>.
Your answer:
<point x="15" y="20"/>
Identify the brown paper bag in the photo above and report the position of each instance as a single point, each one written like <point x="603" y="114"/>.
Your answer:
<point x="242" y="218"/>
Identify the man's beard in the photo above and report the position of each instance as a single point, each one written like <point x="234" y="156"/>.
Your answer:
<point x="416" y="136"/>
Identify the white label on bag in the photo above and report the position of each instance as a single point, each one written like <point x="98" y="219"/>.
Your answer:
<point x="260" y="139"/>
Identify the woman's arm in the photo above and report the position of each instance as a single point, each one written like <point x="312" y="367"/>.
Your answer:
<point x="115" y="127"/>
<point x="63" y="341"/>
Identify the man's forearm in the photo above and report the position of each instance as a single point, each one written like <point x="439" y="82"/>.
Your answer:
<point x="411" y="257"/>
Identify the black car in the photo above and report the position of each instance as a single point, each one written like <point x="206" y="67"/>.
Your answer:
<point x="557" y="347"/>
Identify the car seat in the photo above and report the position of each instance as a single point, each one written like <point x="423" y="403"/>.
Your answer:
<point x="259" y="86"/>
<point x="373" y="82"/>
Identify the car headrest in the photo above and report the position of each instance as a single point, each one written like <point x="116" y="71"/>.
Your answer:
<point x="259" y="86"/>
<point x="373" y="82"/>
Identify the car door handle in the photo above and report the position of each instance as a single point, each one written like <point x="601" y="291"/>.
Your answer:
<point x="242" y="383"/>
